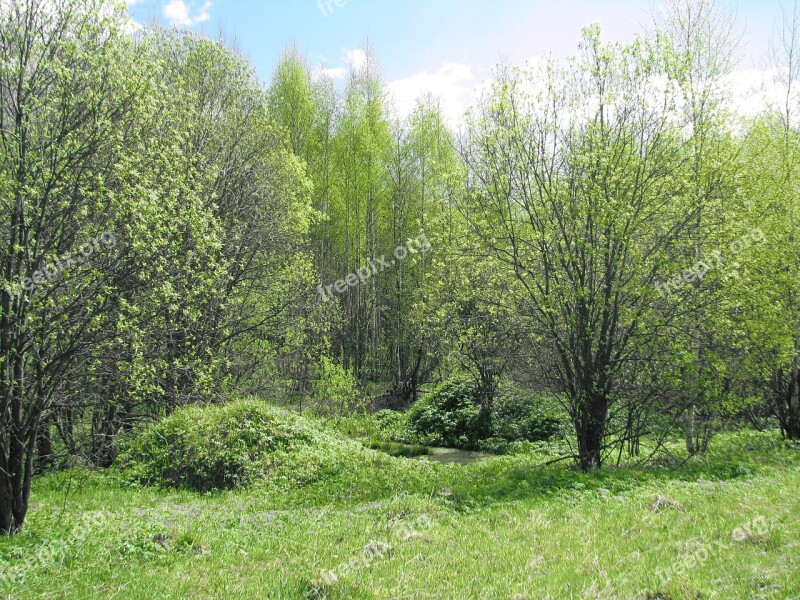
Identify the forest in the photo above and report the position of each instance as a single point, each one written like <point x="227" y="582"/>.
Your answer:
<point x="240" y="320"/>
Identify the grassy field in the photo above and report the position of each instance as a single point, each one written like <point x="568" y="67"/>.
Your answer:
<point x="726" y="525"/>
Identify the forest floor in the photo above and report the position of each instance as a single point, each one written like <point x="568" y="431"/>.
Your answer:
<point x="725" y="525"/>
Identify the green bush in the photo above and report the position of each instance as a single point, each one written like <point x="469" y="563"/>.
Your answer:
<point x="450" y="416"/>
<point x="521" y="417"/>
<point x="384" y="425"/>
<point x="389" y="419"/>
<point x="335" y="391"/>
<point x="231" y="445"/>
<point x="493" y="445"/>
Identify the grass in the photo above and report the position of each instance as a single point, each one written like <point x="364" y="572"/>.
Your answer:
<point x="397" y="449"/>
<point x="725" y="525"/>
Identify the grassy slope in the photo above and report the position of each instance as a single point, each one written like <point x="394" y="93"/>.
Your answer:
<point x="496" y="529"/>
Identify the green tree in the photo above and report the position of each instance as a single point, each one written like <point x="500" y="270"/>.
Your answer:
<point x="768" y="294"/>
<point x="70" y="87"/>
<point x="696" y="41"/>
<point x="575" y="189"/>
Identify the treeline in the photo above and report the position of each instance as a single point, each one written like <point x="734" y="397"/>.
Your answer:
<point x="379" y="186"/>
<point x="604" y="229"/>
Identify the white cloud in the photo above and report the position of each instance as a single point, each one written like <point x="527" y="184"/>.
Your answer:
<point x="179" y="13"/>
<point x="335" y="73"/>
<point x="131" y="25"/>
<point x="754" y="91"/>
<point x="453" y="83"/>
<point x="352" y="59"/>
<point x="355" y="58"/>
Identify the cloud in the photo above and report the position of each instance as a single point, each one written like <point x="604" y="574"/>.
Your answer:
<point x="752" y="91"/>
<point x="352" y="59"/>
<point x="755" y="91"/>
<point x="335" y="73"/>
<point x="453" y="83"/>
<point x="179" y="13"/>
<point x="355" y="58"/>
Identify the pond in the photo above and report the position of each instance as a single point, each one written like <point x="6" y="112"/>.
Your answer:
<point x="454" y="455"/>
<point x="442" y="455"/>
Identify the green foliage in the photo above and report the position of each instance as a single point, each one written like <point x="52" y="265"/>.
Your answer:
<point x="396" y="449"/>
<point x="335" y="390"/>
<point x="391" y="424"/>
<point x="382" y="426"/>
<point x="450" y="416"/>
<point x="524" y="417"/>
<point x="232" y="445"/>
<point x="579" y="189"/>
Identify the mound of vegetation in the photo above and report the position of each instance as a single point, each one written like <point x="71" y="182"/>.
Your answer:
<point x="451" y="415"/>
<point x="231" y="445"/>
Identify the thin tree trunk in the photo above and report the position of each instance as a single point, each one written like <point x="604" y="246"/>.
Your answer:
<point x="794" y="401"/>
<point x="690" y="428"/>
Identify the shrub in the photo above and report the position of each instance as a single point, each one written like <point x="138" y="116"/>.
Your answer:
<point x="521" y="417"/>
<point x="449" y="416"/>
<point x="494" y="445"/>
<point x="384" y="425"/>
<point x="335" y="391"/>
<point x="395" y="449"/>
<point x="228" y="446"/>
<point x="391" y="425"/>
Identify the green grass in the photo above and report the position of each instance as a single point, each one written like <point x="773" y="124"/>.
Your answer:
<point x="397" y="449"/>
<point x="399" y="528"/>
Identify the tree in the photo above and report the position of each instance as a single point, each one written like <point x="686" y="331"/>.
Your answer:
<point x="422" y="166"/>
<point x="770" y="293"/>
<point x="575" y="188"/>
<point x="696" y="41"/>
<point x="69" y="88"/>
<point x="358" y="213"/>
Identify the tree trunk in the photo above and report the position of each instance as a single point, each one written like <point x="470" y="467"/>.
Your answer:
<point x="44" y="446"/>
<point x="690" y="426"/>
<point x="794" y="401"/>
<point x="16" y="469"/>
<point x="591" y="431"/>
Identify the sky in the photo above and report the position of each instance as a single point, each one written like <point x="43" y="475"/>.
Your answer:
<point x="447" y="47"/>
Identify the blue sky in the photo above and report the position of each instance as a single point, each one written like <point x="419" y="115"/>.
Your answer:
<point x="444" y="46"/>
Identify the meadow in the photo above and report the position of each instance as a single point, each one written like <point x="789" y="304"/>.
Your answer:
<point x="721" y="525"/>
